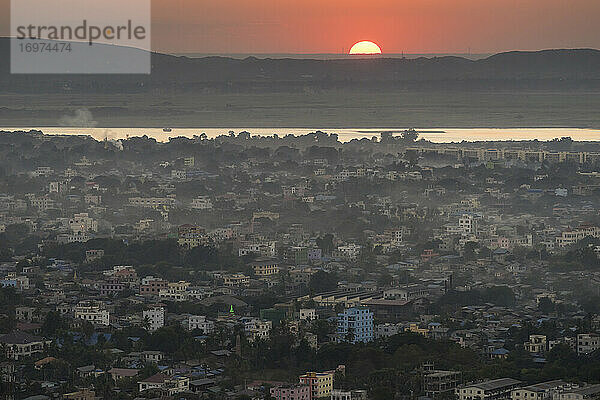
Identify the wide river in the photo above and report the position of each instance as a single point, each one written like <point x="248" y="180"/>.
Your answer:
<point x="437" y="135"/>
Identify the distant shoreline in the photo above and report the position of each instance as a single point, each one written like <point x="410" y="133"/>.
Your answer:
<point x="440" y="136"/>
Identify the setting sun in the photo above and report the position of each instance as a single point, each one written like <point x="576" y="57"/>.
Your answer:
<point x="365" y="47"/>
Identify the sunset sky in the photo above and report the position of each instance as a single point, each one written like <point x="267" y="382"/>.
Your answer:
<point x="328" y="26"/>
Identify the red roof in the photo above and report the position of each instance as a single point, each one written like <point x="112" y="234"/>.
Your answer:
<point x="156" y="378"/>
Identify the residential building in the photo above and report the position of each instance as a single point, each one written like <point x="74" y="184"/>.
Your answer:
<point x="152" y="286"/>
<point x="337" y="394"/>
<point x="355" y="325"/>
<point x="257" y="329"/>
<point x="291" y="392"/>
<point x="18" y="345"/>
<point x="496" y="389"/>
<point x="265" y="267"/>
<point x="308" y="314"/>
<point x="437" y="382"/>
<point x="154" y="317"/>
<point x="320" y="384"/>
<point x="200" y="322"/>
<point x="540" y="391"/>
<point x="171" y="385"/>
<point x="537" y="344"/>
<point x="202" y="203"/>
<point x="587" y="343"/>
<point x="93" y="312"/>
<point x="236" y="280"/>
<point x="582" y="393"/>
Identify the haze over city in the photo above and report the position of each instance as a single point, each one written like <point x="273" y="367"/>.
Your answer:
<point x="299" y="200"/>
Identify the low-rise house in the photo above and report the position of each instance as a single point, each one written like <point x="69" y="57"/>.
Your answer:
<point x="583" y="393"/>
<point x="121" y="373"/>
<point x="291" y="392"/>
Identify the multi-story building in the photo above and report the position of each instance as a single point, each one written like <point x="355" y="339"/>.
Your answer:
<point x="111" y="287"/>
<point x="587" y="343"/>
<point x="44" y="203"/>
<point x="320" y="384"/>
<point x="152" y="202"/>
<point x="236" y="280"/>
<point x="355" y="325"/>
<point x="192" y="236"/>
<point x="348" y="252"/>
<point x="570" y="237"/>
<point x="18" y="345"/>
<point x="93" y="312"/>
<point x="154" y="317"/>
<point x="175" y="291"/>
<point x="581" y="393"/>
<point x="82" y="223"/>
<point x="308" y="314"/>
<point x="291" y="392"/>
<point x="437" y="382"/>
<point x="467" y="224"/>
<point x="540" y="391"/>
<point x="170" y="384"/>
<point x="265" y="267"/>
<point x="152" y="286"/>
<point x="257" y="329"/>
<point x="92" y="255"/>
<point x="387" y="330"/>
<point x="337" y="394"/>
<point x="496" y="389"/>
<point x="537" y="344"/>
<point x="200" y="322"/>
<point x="202" y="203"/>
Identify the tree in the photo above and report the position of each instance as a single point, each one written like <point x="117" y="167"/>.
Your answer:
<point x="546" y="305"/>
<point x="322" y="281"/>
<point x="52" y="323"/>
<point x="325" y="243"/>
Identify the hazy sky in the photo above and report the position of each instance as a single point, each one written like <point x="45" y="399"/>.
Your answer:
<point x="328" y="26"/>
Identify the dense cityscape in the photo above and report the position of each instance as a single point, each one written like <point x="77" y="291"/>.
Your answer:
<point x="298" y="268"/>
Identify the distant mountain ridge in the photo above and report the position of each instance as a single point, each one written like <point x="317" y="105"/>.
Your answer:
<point x="546" y="69"/>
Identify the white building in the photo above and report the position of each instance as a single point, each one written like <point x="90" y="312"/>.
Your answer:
<point x="257" y="329"/>
<point x="540" y="391"/>
<point x="349" y="252"/>
<point x="200" y="322"/>
<point x="92" y="312"/>
<point x="496" y="389"/>
<point x="570" y="237"/>
<point x="387" y="330"/>
<point x="582" y="393"/>
<point x="155" y="317"/>
<point x="587" y="343"/>
<point x="152" y="202"/>
<point x="82" y="223"/>
<point x="308" y="314"/>
<point x="202" y="203"/>
<point x="467" y="224"/>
